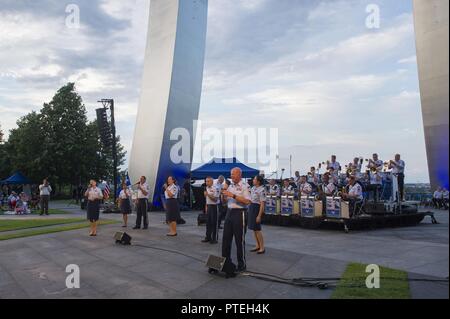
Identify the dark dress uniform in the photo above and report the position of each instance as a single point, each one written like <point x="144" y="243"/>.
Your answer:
<point x="125" y="203"/>
<point x="212" y="209"/>
<point x="258" y="195"/>
<point x="142" y="207"/>
<point x="93" y="206"/>
<point x="172" y="205"/>
<point x="235" y="224"/>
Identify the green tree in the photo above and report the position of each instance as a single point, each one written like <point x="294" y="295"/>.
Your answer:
<point x="5" y="166"/>
<point x="59" y="143"/>
<point x="24" y="147"/>
<point x="64" y="127"/>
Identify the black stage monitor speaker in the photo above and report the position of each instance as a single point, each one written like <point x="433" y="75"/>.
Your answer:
<point x="122" y="238"/>
<point x="215" y="262"/>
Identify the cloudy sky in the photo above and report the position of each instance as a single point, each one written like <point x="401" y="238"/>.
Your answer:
<point x="310" y="68"/>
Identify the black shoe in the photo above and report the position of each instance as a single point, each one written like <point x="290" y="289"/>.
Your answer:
<point x="136" y="227"/>
<point x="220" y="227"/>
<point x="41" y="214"/>
<point x="241" y="269"/>
<point x="145" y="227"/>
<point x="261" y="252"/>
<point x="254" y="250"/>
<point x="213" y="242"/>
<point x="206" y="240"/>
<point x="47" y="214"/>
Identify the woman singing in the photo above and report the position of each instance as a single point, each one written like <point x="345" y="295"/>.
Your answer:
<point x="172" y="206"/>
<point x="256" y="211"/>
<point x="94" y="196"/>
<point x="125" y="203"/>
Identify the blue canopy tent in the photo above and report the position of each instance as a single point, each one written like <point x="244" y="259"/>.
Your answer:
<point x="222" y="166"/>
<point x="16" y="179"/>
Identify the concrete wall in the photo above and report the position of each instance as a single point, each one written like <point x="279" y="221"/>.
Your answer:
<point x="171" y="88"/>
<point x="431" y="18"/>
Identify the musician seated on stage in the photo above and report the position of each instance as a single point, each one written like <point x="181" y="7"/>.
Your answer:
<point x="334" y="178"/>
<point x="313" y="176"/>
<point x="327" y="188"/>
<point x="355" y="193"/>
<point x="273" y="189"/>
<point x="287" y="189"/>
<point x="305" y="188"/>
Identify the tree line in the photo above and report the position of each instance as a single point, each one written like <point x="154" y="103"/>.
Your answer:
<point x="58" y="142"/>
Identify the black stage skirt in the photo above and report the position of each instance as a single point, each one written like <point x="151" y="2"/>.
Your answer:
<point x="253" y="212"/>
<point x="125" y="206"/>
<point x="172" y="210"/>
<point x="93" y="210"/>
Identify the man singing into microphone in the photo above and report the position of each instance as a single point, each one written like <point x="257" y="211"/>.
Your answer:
<point x="142" y="204"/>
<point x="238" y="198"/>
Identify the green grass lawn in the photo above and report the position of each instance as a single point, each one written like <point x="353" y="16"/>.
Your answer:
<point x="8" y="225"/>
<point x="59" y="226"/>
<point x="393" y="284"/>
<point x="52" y="211"/>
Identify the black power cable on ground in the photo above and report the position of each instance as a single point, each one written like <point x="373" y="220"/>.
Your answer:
<point x="305" y="282"/>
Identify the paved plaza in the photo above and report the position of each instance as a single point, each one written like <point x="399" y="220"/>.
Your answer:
<point x="34" y="267"/>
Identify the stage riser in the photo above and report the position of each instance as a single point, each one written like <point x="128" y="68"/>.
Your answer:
<point x="354" y="224"/>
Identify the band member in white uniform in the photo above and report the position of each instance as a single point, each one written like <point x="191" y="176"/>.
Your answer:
<point x="375" y="163"/>
<point x="356" y="167"/>
<point x="375" y="167"/>
<point x="173" y="207"/>
<point x="297" y="179"/>
<point x="328" y="188"/>
<point x="256" y="211"/>
<point x="142" y="203"/>
<point x="273" y="189"/>
<point x="287" y="189"/>
<point x="212" y="195"/>
<point x="125" y="203"/>
<point x="334" y="165"/>
<point x="313" y="176"/>
<point x="305" y="188"/>
<point x="94" y="196"/>
<point x="398" y="168"/>
<point x="355" y="193"/>
<point x="238" y="198"/>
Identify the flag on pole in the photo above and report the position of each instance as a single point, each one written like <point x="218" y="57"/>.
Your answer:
<point x="119" y="183"/>
<point x="106" y="190"/>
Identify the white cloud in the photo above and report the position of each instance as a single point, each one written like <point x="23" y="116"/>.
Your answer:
<point x="410" y="60"/>
<point x="95" y="81"/>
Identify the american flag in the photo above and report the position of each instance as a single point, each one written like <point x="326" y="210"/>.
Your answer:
<point x="106" y="190"/>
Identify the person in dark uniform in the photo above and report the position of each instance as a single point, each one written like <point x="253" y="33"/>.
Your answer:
<point x="256" y="211"/>
<point x="172" y="206"/>
<point x="142" y="203"/>
<point x="238" y="198"/>
<point x="125" y="203"/>
<point x="212" y="195"/>
<point x="94" y="196"/>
